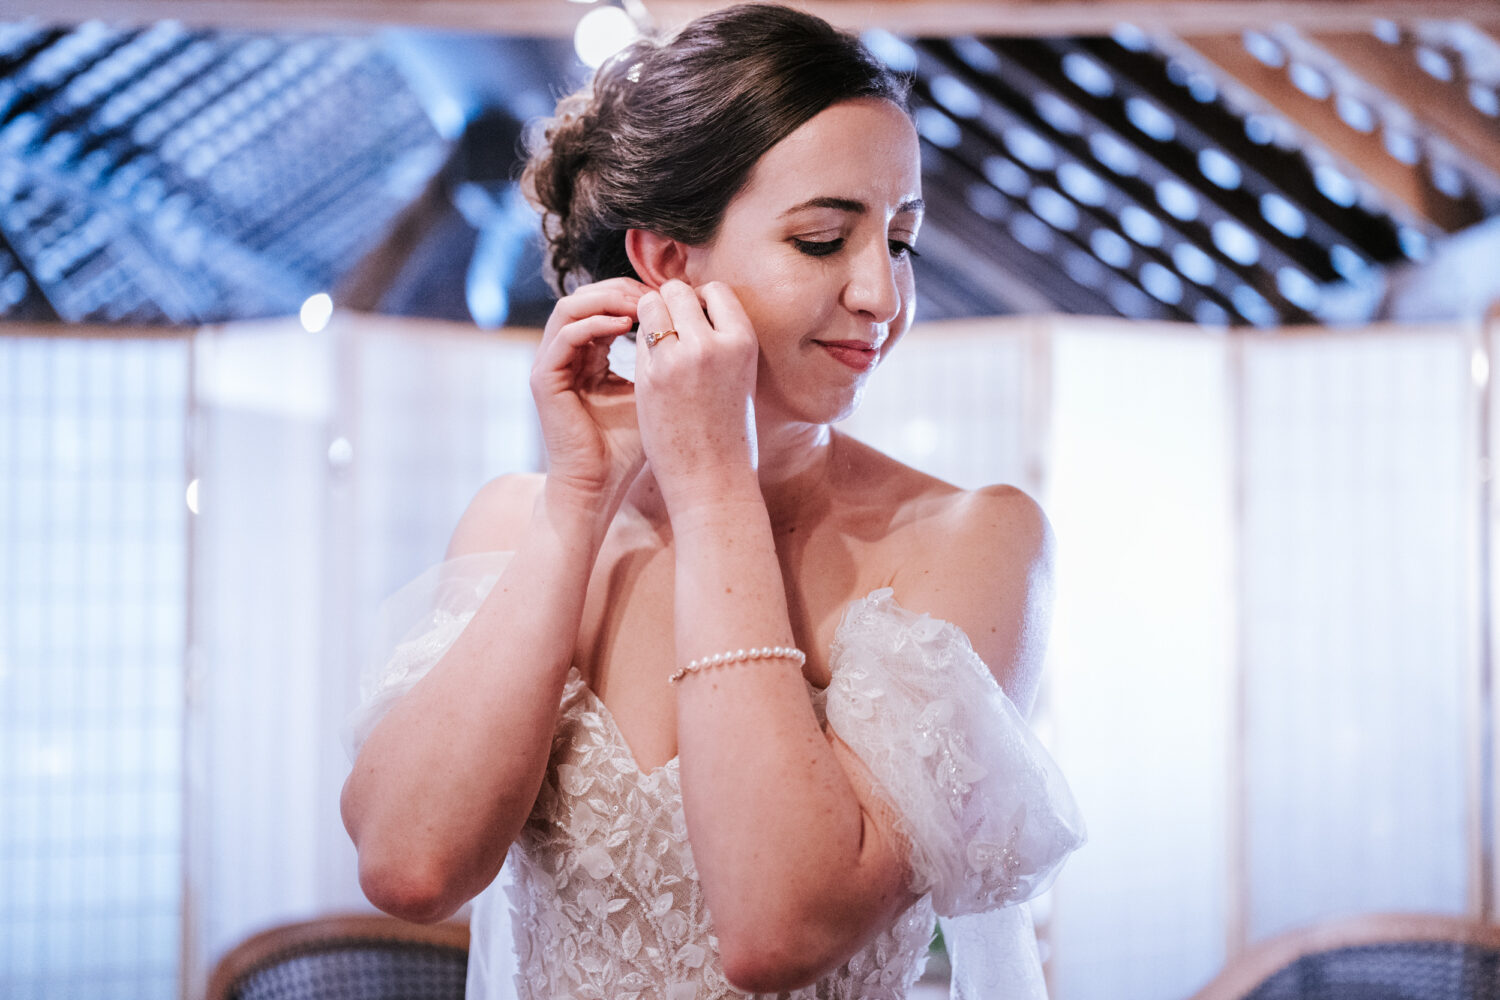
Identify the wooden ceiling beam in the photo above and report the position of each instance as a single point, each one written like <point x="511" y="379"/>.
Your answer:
<point x="1492" y="35"/>
<point x="366" y="284"/>
<point x="1363" y="153"/>
<point x="1443" y="107"/>
<point x="936" y="18"/>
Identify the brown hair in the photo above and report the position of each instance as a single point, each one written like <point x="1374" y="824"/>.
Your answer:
<point x="667" y="133"/>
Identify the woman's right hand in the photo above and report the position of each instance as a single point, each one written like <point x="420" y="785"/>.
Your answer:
<point x="587" y="413"/>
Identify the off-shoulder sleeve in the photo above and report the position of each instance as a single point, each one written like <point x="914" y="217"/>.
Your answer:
<point x="985" y="809"/>
<point x="415" y="627"/>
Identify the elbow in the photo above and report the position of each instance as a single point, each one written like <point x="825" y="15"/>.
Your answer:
<point x="407" y="888"/>
<point x="760" y="971"/>
<point x="791" y="942"/>
<point x="395" y="875"/>
<point x="777" y="960"/>
<point x="418" y="875"/>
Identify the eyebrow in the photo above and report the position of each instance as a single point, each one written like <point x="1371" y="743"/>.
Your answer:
<point x="852" y="206"/>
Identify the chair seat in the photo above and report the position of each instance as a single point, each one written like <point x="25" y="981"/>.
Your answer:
<point x="1393" y="956"/>
<point x="1403" y="970"/>
<point x="364" y="957"/>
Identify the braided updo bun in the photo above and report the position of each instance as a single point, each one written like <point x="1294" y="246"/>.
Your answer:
<point x="667" y="132"/>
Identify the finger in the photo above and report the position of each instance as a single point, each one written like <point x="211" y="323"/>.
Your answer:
<point x="653" y="312"/>
<point x="615" y="297"/>
<point x="687" y="313"/>
<point x="725" y="310"/>
<point x="616" y="300"/>
<point x="655" y="317"/>
<point x="571" y="341"/>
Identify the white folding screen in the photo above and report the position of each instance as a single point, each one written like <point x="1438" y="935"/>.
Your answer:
<point x="1358" y="528"/>
<point x="1263" y="549"/>
<point x="963" y="401"/>
<point x="264" y="401"/>
<point x="92" y="584"/>
<point x="1263" y="682"/>
<point x="332" y="467"/>
<point x="1140" y="499"/>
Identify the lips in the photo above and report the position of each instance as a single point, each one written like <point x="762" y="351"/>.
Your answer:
<point x="855" y="354"/>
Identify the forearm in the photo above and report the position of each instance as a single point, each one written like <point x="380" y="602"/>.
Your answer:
<point x="778" y="833"/>
<point x="447" y="778"/>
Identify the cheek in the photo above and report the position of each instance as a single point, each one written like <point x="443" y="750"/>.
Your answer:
<point x="774" y="302"/>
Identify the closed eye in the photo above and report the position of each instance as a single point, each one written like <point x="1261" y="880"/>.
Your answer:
<point x="819" y="248"/>
<point x="901" y="249"/>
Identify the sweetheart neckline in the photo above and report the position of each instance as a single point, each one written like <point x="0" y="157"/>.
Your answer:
<point x="616" y="733"/>
<point x="879" y="594"/>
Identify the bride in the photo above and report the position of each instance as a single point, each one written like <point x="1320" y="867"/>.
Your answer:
<point x="736" y="699"/>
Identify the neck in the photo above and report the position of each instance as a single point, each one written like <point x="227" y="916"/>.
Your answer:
<point x="794" y="462"/>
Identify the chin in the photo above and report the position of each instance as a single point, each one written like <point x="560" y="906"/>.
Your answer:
<point x="815" y="402"/>
<point x="843" y="407"/>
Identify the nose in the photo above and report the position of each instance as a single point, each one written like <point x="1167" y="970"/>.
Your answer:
<point x="872" y="288"/>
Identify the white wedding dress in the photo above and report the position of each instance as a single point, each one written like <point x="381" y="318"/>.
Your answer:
<point x="600" y="899"/>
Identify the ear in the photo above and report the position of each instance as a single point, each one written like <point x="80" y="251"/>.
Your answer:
<point x="656" y="258"/>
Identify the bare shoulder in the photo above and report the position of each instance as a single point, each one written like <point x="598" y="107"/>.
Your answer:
<point x="497" y="516"/>
<point x="982" y="559"/>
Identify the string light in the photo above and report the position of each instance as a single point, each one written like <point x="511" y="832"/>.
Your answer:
<point x="316" y="312"/>
<point x="601" y="33"/>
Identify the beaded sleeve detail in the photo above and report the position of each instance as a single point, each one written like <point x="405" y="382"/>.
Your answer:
<point x="987" y="813"/>
<point x="416" y="626"/>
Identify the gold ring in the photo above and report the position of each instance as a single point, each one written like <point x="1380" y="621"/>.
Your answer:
<point x="652" y="339"/>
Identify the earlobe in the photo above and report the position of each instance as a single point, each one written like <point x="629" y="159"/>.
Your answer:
<point x="657" y="259"/>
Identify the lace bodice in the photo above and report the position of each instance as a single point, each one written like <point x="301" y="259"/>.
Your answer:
<point x="599" y="897"/>
<point x="606" y="900"/>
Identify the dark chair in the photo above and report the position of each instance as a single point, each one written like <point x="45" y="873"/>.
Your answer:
<point x="364" y="957"/>
<point x="1385" y="957"/>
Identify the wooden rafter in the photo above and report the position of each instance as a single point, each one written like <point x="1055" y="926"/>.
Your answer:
<point x="1406" y="185"/>
<point x="915" y="17"/>
<point x="1445" y="107"/>
<point x="367" y="283"/>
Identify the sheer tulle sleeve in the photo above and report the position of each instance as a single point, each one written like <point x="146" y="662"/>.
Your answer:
<point x="987" y="813"/>
<point x="416" y="626"/>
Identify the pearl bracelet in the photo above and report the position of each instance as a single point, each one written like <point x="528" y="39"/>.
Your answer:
<point x="740" y="655"/>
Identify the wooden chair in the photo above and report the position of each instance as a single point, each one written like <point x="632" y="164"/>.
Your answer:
<point x="346" y="957"/>
<point x="1382" y="957"/>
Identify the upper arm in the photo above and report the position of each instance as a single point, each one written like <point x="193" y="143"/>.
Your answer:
<point x="986" y="566"/>
<point x="496" y="518"/>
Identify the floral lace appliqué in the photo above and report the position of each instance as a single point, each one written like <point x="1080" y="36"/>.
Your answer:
<point x="606" y="899"/>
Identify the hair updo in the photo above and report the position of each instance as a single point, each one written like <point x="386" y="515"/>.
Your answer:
<point x="667" y="133"/>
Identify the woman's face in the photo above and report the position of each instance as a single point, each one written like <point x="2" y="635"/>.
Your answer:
<point x="816" y="246"/>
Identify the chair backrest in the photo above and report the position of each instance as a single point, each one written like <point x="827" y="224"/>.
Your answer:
<point x="1381" y="957"/>
<point x="346" y="957"/>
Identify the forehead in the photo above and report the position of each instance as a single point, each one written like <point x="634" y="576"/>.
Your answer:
<point x="865" y="148"/>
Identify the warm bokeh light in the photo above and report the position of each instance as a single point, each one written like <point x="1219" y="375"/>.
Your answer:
<point x="601" y="33"/>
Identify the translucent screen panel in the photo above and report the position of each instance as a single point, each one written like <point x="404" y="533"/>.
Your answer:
<point x="962" y="402"/>
<point x="333" y="468"/>
<point x="92" y="600"/>
<point x="264" y="400"/>
<point x="1358" y="495"/>
<point x="433" y="416"/>
<point x="1142" y="655"/>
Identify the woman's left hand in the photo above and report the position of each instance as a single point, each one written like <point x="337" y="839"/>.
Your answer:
<point x="695" y="392"/>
